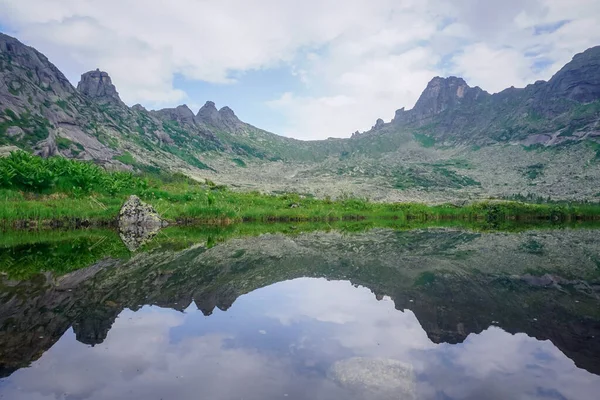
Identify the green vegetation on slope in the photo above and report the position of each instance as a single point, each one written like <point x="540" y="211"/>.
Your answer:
<point x="23" y="171"/>
<point x="58" y="189"/>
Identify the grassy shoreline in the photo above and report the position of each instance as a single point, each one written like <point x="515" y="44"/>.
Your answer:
<point x="16" y="211"/>
<point x="58" y="192"/>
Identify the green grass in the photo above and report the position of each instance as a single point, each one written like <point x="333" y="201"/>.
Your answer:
<point x="36" y="189"/>
<point x="534" y="171"/>
<point x="64" y="143"/>
<point x="424" y="140"/>
<point x="438" y="176"/>
<point x="239" y="162"/>
<point x="62" y="104"/>
<point x="595" y="147"/>
<point x="126" y="158"/>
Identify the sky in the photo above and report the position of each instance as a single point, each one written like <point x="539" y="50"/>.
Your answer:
<point x="307" y="69"/>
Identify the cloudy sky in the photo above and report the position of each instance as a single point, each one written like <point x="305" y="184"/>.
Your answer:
<point x="307" y="69"/>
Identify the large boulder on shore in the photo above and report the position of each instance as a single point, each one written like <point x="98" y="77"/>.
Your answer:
<point x="138" y="223"/>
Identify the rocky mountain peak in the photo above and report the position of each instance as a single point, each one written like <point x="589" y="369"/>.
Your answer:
<point x="97" y="85"/>
<point x="229" y="120"/>
<point x="378" y="124"/>
<point x="208" y="114"/>
<point x="227" y="114"/>
<point x="579" y="80"/>
<point x="444" y="93"/>
<point x="181" y="114"/>
<point x="20" y="63"/>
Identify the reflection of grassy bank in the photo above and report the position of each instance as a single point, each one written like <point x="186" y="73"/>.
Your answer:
<point x="25" y="253"/>
<point x="56" y="190"/>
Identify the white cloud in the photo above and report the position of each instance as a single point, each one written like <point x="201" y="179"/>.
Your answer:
<point x="357" y="62"/>
<point x="481" y="65"/>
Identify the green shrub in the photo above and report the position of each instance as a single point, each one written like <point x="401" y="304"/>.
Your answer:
<point x="63" y="143"/>
<point x="126" y="158"/>
<point x="24" y="171"/>
<point x="239" y="162"/>
<point x="424" y="140"/>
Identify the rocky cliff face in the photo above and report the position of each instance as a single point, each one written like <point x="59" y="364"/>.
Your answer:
<point x="561" y="110"/>
<point x="98" y="86"/>
<point x="444" y="94"/>
<point x="41" y="111"/>
<point x="208" y="114"/>
<point x="579" y="80"/>
<point x="181" y="114"/>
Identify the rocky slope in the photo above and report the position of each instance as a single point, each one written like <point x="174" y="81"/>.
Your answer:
<point x="428" y="153"/>
<point x="41" y="111"/>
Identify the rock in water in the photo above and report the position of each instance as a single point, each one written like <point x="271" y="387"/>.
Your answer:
<point x="138" y="223"/>
<point x="377" y="378"/>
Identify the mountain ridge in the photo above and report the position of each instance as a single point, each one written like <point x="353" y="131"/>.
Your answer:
<point x="444" y="102"/>
<point x="412" y="155"/>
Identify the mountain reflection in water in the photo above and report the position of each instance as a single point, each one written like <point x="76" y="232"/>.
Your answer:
<point x="425" y="314"/>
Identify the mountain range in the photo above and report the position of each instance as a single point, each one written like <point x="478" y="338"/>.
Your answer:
<point x="457" y="143"/>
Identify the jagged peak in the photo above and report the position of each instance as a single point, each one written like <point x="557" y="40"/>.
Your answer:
<point x="578" y="80"/>
<point x="97" y="85"/>
<point x="181" y="113"/>
<point x="443" y="93"/>
<point x="209" y="105"/>
<point x="184" y="109"/>
<point x="449" y="80"/>
<point x="378" y="124"/>
<point x="226" y="110"/>
<point x="208" y="113"/>
<point x="227" y="114"/>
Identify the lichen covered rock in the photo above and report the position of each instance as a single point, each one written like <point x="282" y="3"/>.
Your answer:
<point x="138" y="223"/>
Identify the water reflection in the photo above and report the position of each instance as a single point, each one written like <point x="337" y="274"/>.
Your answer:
<point x="281" y="342"/>
<point x="428" y="314"/>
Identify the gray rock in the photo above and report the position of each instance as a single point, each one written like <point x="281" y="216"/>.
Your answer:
<point x="15" y="132"/>
<point x="138" y="223"/>
<point x="378" y="378"/>
<point x="445" y="93"/>
<point x="228" y="118"/>
<point x="378" y="124"/>
<point x="208" y="114"/>
<point x="6" y="150"/>
<point x="42" y="72"/>
<point x="135" y="211"/>
<point x="182" y="114"/>
<point x="579" y="80"/>
<point x="163" y="137"/>
<point x="223" y="119"/>
<point x="97" y="85"/>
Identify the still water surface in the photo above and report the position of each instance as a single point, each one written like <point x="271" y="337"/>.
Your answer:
<point x="315" y="316"/>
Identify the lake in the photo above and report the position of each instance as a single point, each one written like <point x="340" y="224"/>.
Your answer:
<point x="287" y="312"/>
